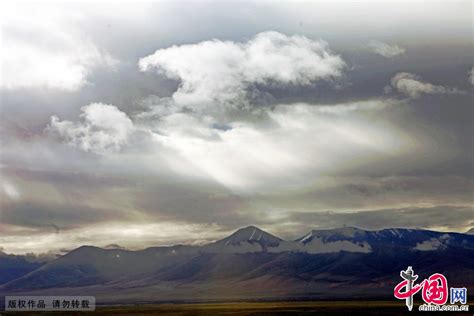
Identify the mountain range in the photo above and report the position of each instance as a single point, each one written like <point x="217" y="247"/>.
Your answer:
<point x="249" y="264"/>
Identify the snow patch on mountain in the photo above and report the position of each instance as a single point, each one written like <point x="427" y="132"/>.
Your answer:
<point x="248" y="239"/>
<point x="344" y="233"/>
<point x="430" y="245"/>
<point x="307" y="237"/>
<point x="241" y="247"/>
<point x="317" y="245"/>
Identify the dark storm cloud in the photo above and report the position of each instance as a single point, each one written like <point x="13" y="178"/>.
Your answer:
<point x="188" y="203"/>
<point x="69" y="179"/>
<point x="77" y="199"/>
<point x="352" y="193"/>
<point x="52" y="217"/>
<point x="447" y="217"/>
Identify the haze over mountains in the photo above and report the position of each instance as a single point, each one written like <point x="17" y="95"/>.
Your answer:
<point x="253" y="264"/>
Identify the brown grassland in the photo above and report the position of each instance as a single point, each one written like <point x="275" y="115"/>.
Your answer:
<point x="253" y="308"/>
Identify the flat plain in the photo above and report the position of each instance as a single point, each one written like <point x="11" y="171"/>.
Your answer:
<point x="253" y="308"/>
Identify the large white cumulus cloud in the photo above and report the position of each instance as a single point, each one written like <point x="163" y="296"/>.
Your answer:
<point x="103" y="128"/>
<point x="223" y="71"/>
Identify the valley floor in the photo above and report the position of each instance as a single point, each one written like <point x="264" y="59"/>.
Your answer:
<point x="254" y="308"/>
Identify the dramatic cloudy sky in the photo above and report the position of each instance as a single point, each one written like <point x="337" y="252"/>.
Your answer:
<point x="155" y="123"/>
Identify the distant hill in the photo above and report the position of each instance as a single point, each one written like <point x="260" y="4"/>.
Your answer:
<point x="251" y="263"/>
<point x="15" y="266"/>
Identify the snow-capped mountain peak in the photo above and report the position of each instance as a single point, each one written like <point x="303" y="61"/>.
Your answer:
<point x="334" y="240"/>
<point x="342" y="233"/>
<point x="248" y="239"/>
<point x="252" y="234"/>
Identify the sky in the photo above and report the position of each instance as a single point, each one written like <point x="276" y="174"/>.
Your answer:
<point x="156" y="123"/>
